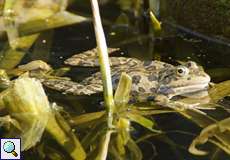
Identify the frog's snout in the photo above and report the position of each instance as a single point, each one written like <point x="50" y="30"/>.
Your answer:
<point x="207" y="78"/>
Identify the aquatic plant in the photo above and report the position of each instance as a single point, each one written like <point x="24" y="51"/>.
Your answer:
<point x="112" y="133"/>
<point x="23" y="24"/>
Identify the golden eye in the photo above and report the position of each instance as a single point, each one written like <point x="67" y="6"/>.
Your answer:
<point x="182" y="71"/>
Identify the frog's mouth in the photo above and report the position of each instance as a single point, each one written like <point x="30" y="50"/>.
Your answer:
<point x="190" y="88"/>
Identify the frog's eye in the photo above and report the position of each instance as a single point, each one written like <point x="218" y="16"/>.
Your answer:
<point x="182" y="71"/>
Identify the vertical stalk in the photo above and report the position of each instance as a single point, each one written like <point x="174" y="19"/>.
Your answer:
<point x="104" y="61"/>
<point x="106" y="78"/>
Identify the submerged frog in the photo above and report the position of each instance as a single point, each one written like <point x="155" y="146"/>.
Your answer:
<point x="151" y="80"/>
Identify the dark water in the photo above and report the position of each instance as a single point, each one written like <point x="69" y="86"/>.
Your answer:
<point x="137" y="40"/>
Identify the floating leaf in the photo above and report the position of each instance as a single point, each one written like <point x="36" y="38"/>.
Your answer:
<point x="59" y="19"/>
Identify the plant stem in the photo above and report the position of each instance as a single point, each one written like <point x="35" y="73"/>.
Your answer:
<point x="104" y="146"/>
<point x="106" y="78"/>
<point x="104" y="61"/>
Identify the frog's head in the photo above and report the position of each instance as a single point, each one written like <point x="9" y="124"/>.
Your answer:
<point x="182" y="79"/>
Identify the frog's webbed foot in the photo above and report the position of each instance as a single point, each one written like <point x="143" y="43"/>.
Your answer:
<point x="87" y="59"/>
<point x="90" y="59"/>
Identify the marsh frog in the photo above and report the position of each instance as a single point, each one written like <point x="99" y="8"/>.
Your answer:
<point x="151" y="80"/>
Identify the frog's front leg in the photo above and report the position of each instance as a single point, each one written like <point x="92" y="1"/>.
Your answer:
<point x="176" y="105"/>
<point x="162" y="99"/>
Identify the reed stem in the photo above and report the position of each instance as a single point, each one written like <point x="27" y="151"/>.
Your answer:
<point x="106" y="78"/>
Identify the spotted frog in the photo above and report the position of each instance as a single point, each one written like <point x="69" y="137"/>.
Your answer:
<point x="150" y="79"/>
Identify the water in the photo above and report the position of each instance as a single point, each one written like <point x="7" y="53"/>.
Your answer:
<point x="134" y="36"/>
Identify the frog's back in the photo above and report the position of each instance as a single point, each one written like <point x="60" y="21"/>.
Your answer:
<point x="144" y="76"/>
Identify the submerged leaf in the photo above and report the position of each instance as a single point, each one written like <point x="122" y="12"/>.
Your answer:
<point x="84" y="118"/>
<point x="60" y="130"/>
<point x="149" y="124"/>
<point x="27" y="107"/>
<point x="219" y="91"/>
<point x="220" y="130"/>
<point x="123" y="136"/>
<point x="103" y="146"/>
<point x="135" y="152"/>
<point x="9" y="57"/>
<point x="91" y="137"/>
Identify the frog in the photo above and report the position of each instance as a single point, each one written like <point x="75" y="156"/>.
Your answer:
<point x="151" y="79"/>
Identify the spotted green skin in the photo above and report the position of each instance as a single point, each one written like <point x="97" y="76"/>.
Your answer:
<point x="149" y="78"/>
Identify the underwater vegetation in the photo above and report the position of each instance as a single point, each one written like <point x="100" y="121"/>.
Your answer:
<point x="47" y="102"/>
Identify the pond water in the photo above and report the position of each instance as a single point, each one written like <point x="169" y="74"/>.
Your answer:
<point x="133" y="34"/>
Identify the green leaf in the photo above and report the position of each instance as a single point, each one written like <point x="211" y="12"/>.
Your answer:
<point x="27" y="107"/>
<point x="122" y="93"/>
<point x="149" y="124"/>
<point x="84" y="118"/>
<point x="123" y="136"/>
<point x="135" y="151"/>
<point x="9" y="57"/>
<point x="219" y="91"/>
<point x="149" y="111"/>
<point x="9" y="22"/>
<point x="221" y="132"/>
<point x="103" y="146"/>
<point x="59" y="19"/>
<point x="155" y="23"/>
<point x="63" y="134"/>
<point x="92" y="136"/>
